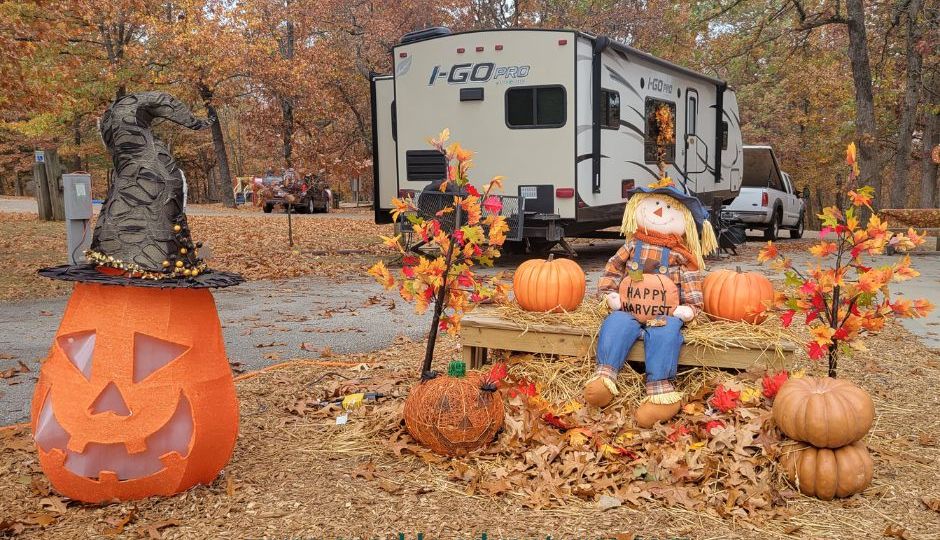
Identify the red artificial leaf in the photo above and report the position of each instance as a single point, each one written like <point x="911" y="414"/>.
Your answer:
<point x="493" y="205"/>
<point x="817" y="351"/>
<point x="497" y="373"/>
<point x="553" y="420"/>
<point x="678" y="432"/>
<point x="472" y="190"/>
<point x="713" y="424"/>
<point x="787" y="318"/>
<point x="725" y="399"/>
<point x="840" y="334"/>
<point x="772" y="383"/>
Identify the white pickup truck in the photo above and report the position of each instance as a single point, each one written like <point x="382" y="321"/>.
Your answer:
<point x="767" y="200"/>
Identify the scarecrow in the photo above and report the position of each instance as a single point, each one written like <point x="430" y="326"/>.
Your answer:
<point x="653" y="285"/>
<point x="136" y="397"/>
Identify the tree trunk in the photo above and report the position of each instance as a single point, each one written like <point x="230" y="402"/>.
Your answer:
<point x="76" y="164"/>
<point x="902" y="160"/>
<point x="224" y="185"/>
<point x="865" y="126"/>
<point x="287" y="129"/>
<point x="929" y="180"/>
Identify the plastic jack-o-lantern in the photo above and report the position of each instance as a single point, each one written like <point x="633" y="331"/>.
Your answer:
<point x="136" y="397"/>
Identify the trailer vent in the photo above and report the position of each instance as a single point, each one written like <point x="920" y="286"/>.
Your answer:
<point x="425" y="165"/>
<point x="427" y="33"/>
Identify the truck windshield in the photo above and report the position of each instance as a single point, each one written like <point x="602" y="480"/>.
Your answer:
<point x="760" y="170"/>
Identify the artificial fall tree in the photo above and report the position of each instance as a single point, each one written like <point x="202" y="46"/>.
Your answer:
<point x="455" y="413"/>
<point x="841" y="295"/>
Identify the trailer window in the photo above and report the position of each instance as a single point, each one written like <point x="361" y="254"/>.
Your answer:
<point x="610" y="109"/>
<point x="652" y="131"/>
<point x="535" y="107"/>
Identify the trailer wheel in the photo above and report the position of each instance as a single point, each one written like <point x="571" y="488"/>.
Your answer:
<point x="268" y="207"/>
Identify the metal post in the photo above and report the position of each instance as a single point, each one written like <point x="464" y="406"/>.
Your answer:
<point x="76" y="195"/>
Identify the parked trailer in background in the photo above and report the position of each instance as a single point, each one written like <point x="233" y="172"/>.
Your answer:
<point x="565" y="117"/>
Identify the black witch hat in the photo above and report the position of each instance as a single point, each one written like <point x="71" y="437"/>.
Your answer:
<point x="142" y="237"/>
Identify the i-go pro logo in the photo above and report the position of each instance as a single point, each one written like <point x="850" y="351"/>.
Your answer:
<point x="477" y="73"/>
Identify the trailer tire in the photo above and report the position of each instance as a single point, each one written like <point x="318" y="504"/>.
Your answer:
<point x="773" y="229"/>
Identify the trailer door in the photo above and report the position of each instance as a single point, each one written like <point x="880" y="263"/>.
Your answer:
<point x="384" y="158"/>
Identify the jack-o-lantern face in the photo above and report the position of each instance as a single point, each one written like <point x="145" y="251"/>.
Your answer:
<point x="136" y="398"/>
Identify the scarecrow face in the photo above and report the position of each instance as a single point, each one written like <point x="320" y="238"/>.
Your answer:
<point x="136" y="388"/>
<point x="661" y="214"/>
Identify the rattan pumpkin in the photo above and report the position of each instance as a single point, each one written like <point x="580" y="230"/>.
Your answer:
<point x="136" y="397"/>
<point x="549" y="285"/>
<point x="737" y="296"/>
<point x="824" y="412"/>
<point x="653" y="297"/>
<point x="454" y="415"/>
<point x="825" y="473"/>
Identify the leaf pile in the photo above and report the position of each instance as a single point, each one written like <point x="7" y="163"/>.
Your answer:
<point x="717" y="456"/>
<point x="918" y="218"/>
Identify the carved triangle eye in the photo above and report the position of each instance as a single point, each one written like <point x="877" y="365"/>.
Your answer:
<point x="78" y="348"/>
<point x="151" y="354"/>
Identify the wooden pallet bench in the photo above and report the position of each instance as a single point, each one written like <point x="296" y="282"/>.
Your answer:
<point x="484" y="329"/>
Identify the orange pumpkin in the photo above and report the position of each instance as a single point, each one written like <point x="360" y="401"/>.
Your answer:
<point x="454" y="415"/>
<point x="825" y="473"/>
<point x="825" y="412"/>
<point x="653" y="297"/>
<point x="737" y="296"/>
<point x="549" y="285"/>
<point x="136" y="397"/>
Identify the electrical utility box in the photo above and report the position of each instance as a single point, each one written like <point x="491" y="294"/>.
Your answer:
<point x="76" y="194"/>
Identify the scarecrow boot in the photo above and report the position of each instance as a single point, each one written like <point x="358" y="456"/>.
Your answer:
<point x="618" y="333"/>
<point x="662" y="344"/>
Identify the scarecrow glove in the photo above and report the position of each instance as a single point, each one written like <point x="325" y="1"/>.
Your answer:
<point x="684" y="313"/>
<point x="613" y="301"/>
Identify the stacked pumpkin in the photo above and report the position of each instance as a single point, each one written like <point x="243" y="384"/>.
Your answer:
<point x="828" y="417"/>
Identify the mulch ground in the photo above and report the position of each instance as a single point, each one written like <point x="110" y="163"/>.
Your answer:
<point x="296" y="473"/>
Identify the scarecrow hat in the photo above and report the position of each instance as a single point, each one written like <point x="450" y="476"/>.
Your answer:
<point x="142" y="237"/>
<point x="701" y="240"/>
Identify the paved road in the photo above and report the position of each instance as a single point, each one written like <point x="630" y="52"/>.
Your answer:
<point x="266" y="322"/>
<point x="26" y="205"/>
<point x="263" y="323"/>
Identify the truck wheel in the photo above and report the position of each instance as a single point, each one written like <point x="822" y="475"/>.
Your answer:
<point x="797" y="232"/>
<point x="773" y="229"/>
<point x="268" y="207"/>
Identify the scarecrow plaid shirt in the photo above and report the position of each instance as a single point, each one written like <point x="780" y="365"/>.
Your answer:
<point x="689" y="281"/>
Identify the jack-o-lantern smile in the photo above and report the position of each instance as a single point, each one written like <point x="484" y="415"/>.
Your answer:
<point x="97" y="458"/>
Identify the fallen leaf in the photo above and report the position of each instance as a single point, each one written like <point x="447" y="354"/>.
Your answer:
<point x="606" y="502"/>
<point x="932" y="503"/>
<point x="896" y="531"/>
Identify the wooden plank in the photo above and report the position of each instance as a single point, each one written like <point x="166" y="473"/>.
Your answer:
<point x="484" y="330"/>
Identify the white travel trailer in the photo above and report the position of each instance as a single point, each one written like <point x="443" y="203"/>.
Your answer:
<point x="564" y="116"/>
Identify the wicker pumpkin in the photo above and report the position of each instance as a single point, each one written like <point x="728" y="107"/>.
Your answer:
<point x="549" y="285"/>
<point x="825" y="412"/>
<point x="454" y="415"/>
<point x="825" y="473"/>
<point x="737" y="296"/>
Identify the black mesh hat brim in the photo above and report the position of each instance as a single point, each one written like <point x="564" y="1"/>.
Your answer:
<point x="88" y="273"/>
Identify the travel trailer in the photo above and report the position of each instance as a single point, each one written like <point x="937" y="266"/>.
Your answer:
<point x="564" y="116"/>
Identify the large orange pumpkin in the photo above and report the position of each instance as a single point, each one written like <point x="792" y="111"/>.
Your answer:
<point x="454" y="415"/>
<point x="825" y="412"/>
<point x="737" y="296"/>
<point x="825" y="473"/>
<point x="136" y="397"/>
<point x="549" y="285"/>
<point x="655" y="296"/>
